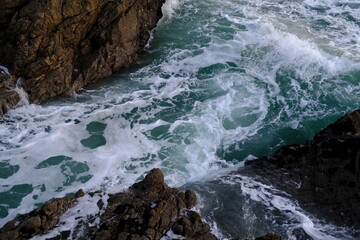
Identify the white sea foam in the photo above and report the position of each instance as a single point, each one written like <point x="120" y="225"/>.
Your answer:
<point x="326" y="22"/>
<point x="274" y="199"/>
<point x="169" y="235"/>
<point x="5" y="70"/>
<point x="212" y="87"/>
<point x="24" y="98"/>
<point x="169" y="8"/>
<point x="86" y="211"/>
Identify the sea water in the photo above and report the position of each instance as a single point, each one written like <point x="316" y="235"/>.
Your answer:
<point x="220" y="82"/>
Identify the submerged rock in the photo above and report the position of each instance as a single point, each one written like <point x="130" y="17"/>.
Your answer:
<point x="58" y="47"/>
<point x="323" y="174"/>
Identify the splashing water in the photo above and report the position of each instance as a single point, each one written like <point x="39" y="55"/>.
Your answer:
<point x="220" y="82"/>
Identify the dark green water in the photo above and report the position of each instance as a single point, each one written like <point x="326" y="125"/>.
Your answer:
<point x="221" y="82"/>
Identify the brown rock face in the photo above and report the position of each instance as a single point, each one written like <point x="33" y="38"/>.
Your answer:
<point x="8" y="95"/>
<point x="192" y="227"/>
<point x="40" y="220"/>
<point x="147" y="211"/>
<point x="58" y="47"/>
<point x="323" y="174"/>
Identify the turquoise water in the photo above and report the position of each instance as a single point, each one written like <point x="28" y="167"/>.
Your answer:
<point x="220" y="82"/>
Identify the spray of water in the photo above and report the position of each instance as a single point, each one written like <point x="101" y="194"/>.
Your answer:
<point x="220" y="83"/>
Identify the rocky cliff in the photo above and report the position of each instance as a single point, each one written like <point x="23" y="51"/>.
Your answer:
<point x="53" y="47"/>
<point x="323" y="174"/>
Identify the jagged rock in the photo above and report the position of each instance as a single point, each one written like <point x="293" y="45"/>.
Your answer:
<point x="8" y="96"/>
<point x="60" y="46"/>
<point x="192" y="227"/>
<point x="147" y="211"/>
<point x="40" y="220"/>
<point x="323" y="174"/>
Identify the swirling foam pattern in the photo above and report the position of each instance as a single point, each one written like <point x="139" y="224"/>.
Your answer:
<point x="220" y="82"/>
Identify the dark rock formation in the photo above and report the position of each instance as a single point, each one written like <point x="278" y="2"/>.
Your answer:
<point x="58" y="47"/>
<point x="323" y="174"/>
<point x="269" y="236"/>
<point x="40" y="220"/>
<point x="147" y="211"/>
<point x="150" y="211"/>
<point x="192" y="227"/>
<point x="8" y="94"/>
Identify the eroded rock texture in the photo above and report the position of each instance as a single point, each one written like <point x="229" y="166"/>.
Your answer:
<point x="59" y="46"/>
<point x="323" y="174"/>
<point x="148" y="210"/>
<point x="40" y="220"/>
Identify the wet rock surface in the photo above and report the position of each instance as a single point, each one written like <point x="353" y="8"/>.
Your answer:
<point x="8" y="96"/>
<point x="39" y="221"/>
<point x="58" y="47"/>
<point x="323" y="174"/>
<point x="148" y="210"/>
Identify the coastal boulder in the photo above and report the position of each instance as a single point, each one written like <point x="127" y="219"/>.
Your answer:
<point x="57" y="47"/>
<point x="40" y="220"/>
<point x="148" y="210"/>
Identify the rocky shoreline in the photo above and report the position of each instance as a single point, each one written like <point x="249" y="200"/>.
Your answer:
<point x="323" y="174"/>
<point x="49" y="48"/>
<point x="149" y="210"/>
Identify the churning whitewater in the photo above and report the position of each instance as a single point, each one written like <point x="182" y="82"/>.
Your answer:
<point x="220" y="82"/>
